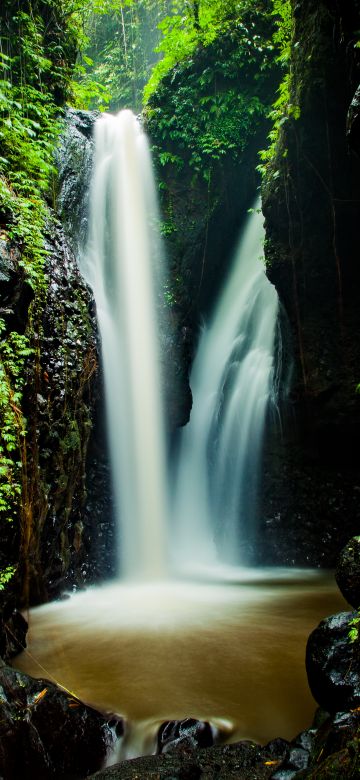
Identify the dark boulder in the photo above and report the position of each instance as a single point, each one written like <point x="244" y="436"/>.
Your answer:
<point x="328" y="752"/>
<point x="333" y="664"/>
<point x="336" y="752"/>
<point x="297" y="756"/>
<point x="46" y="733"/>
<point x="242" y="761"/>
<point x="347" y="573"/>
<point x="335" y="734"/>
<point x="192" y="733"/>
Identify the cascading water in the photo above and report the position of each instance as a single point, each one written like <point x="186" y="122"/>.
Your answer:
<point x="214" y="493"/>
<point x="121" y="265"/>
<point x="232" y="380"/>
<point x="170" y="636"/>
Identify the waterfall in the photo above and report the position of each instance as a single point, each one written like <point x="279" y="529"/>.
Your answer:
<point x="215" y="490"/>
<point x="214" y="493"/>
<point x="121" y="265"/>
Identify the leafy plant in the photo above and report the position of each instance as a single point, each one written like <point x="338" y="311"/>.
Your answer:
<point x="6" y="575"/>
<point x="38" y="43"/>
<point x="14" y="352"/>
<point x="194" y="24"/>
<point x="284" y="107"/>
<point x="117" y="51"/>
<point x="355" y="628"/>
<point x="209" y="106"/>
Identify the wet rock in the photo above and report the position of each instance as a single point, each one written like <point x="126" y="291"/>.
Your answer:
<point x="59" y="402"/>
<point x="335" y="734"/>
<point x="74" y="160"/>
<point x="13" y="629"/>
<point x="297" y="759"/>
<point x="15" y="293"/>
<point x="277" y="748"/>
<point x="59" y="736"/>
<point x="242" y="761"/>
<point x="176" y="734"/>
<point x="336" y="750"/>
<point x="8" y="260"/>
<point x="333" y="664"/>
<point x="347" y="573"/>
<point x="313" y="464"/>
<point x="297" y="756"/>
<point x="353" y="123"/>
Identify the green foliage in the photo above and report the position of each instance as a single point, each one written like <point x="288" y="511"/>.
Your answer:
<point x="355" y="628"/>
<point x="34" y="78"/>
<point x="194" y="24"/>
<point x="14" y="353"/>
<point x="6" y="575"/>
<point x="38" y="42"/>
<point x="131" y="44"/>
<point x="199" y="113"/>
<point x="117" y="52"/>
<point x="284" y="107"/>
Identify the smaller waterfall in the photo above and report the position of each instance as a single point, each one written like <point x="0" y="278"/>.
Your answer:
<point x="215" y="491"/>
<point x="123" y="250"/>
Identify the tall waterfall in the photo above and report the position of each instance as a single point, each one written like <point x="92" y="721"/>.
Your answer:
<point x="120" y="263"/>
<point x="215" y="491"/>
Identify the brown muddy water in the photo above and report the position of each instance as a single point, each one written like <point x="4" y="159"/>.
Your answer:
<point x="231" y="652"/>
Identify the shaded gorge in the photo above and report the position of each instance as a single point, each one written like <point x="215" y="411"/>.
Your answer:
<point x="226" y="643"/>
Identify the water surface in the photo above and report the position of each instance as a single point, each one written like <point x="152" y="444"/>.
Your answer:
<point x="232" y="653"/>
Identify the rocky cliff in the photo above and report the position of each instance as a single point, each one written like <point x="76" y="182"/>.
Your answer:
<point x="311" y="200"/>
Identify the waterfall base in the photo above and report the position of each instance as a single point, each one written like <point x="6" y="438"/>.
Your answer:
<point x="231" y="653"/>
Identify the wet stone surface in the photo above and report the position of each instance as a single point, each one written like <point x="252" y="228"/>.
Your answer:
<point x="46" y="733"/>
<point x="242" y="761"/>
<point x="333" y="664"/>
<point x="189" y="733"/>
<point x="347" y="573"/>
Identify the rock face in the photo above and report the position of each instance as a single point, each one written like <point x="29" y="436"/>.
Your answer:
<point x="75" y="162"/>
<point x="329" y="751"/>
<point x="60" y="402"/>
<point x="13" y="630"/>
<point x="347" y="573"/>
<point x="15" y="293"/>
<point x="61" y="501"/>
<point x="311" y="201"/>
<point x="333" y="664"/>
<point x="46" y="733"/>
<point x="243" y="761"/>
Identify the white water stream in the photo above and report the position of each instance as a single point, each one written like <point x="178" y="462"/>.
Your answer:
<point x="232" y="382"/>
<point x="121" y="265"/>
<point x="215" y="489"/>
